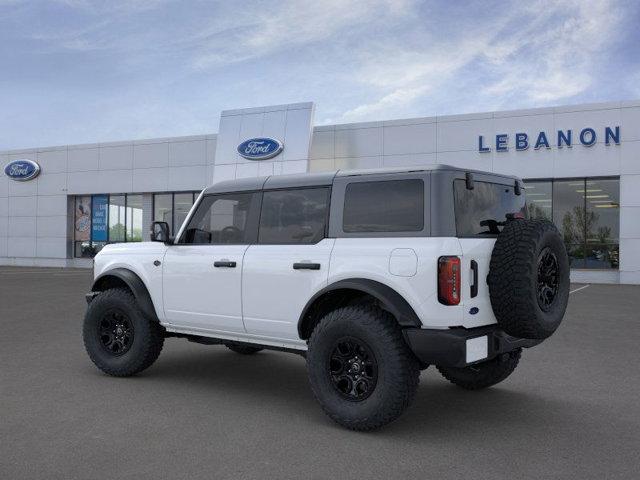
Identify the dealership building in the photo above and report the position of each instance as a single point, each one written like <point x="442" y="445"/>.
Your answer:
<point x="581" y="165"/>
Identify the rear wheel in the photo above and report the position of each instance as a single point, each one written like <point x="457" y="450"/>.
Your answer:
<point x="360" y="369"/>
<point x="119" y="339"/>
<point x="243" y="349"/>
<point x="485" y="374"/>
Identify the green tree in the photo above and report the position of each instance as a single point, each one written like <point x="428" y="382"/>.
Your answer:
<point x="604" y="234"/>
<point x="116" y="233"/>
<point x="577" y="223"/>
<point x="536" y="212"/>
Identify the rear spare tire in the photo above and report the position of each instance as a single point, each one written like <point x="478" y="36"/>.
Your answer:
<point x="529" y="278"/>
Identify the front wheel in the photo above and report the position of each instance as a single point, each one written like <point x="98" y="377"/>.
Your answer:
<point x="485" y="374"/>
<point x="360" y="369"/>
<point x="119" y="339"/>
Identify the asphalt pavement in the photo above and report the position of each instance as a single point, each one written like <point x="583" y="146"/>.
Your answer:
<point x="570" y="410"/>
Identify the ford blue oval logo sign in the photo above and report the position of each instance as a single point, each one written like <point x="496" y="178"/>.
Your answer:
<point x="260" y="148"/>
<point x="22" y="170"/>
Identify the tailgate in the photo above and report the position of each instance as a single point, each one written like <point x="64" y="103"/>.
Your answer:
<point x="476" y="255"/>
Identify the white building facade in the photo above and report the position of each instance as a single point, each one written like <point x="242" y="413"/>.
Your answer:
<point x="581" y="165"/>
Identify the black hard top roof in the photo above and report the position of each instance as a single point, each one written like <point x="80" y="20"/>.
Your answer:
<point x="323" y="178"/>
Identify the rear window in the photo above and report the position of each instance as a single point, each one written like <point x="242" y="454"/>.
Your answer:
<point x="483" y="210"/>
<point x="385" y="206"/>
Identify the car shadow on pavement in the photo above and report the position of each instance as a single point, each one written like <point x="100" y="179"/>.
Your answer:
<point x="278" y="381"/>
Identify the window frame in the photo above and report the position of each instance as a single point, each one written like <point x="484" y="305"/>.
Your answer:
<point x="325" y="233"/>
<point x="251" y="228"/>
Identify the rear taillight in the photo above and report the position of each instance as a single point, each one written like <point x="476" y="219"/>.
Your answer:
<point x="449" y="280"/>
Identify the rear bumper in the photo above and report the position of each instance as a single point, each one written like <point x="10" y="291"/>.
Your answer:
<point x="459" y="347"/>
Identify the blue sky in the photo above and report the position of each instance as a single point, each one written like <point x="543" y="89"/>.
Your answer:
<point x="77" y="71"/>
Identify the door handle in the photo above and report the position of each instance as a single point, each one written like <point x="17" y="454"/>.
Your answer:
<point x="306" y="266"/>
<point x="225" y="264"/>
<point x="474" y="287"/>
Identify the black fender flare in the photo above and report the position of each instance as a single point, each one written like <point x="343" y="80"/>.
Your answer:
<point x="135" y="284"/>
<point x="389" y="299"/>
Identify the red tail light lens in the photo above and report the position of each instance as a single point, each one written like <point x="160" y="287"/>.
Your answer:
<point x="449" y="280"/>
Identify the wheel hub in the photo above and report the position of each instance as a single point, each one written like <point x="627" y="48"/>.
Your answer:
<point x="353" y="369"/>
<point x="115" y="333"/>
<point x="547" y="279"/>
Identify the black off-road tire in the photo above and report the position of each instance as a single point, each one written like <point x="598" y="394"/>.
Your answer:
<point x="397" y="369"/>
<point x="485" y="374"/>
<point x="145" y="346"/>
<point x="243" y="349"/>
<point x="516" y="272"/>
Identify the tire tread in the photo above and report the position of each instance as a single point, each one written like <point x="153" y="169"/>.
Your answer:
<point x="405" y="377"/>
<point x="152" y="343"/>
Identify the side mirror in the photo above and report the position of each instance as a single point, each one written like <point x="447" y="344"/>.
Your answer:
<point x="160" y="232"/>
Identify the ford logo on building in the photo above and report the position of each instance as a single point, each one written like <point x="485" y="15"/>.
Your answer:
<point x="260" y="148"/>
<point x="22" y="170"/>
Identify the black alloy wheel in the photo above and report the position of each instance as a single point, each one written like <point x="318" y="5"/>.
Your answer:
<point x="353" y="369"/>
<point x="548" y="278"/>
<point x="115" y="332"/>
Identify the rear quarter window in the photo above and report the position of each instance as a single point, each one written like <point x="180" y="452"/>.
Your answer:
<point x="384" y="206"/>
<point x="483" y="210"/>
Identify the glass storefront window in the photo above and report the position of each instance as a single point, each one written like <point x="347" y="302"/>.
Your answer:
<point x="117" y="218"/>
<point x="587" y="214"/>
<point x="82" y="227"/>
<point x="173" y="208"/>
<point x="163" y="208"/>
<point x="568" y="210"/>
<point x="539" y="199"/>
<point x="182" y="204"/>
<point x="603" y="226"/>
<point x="103" y="219"/>
<point x="134" y="218"/>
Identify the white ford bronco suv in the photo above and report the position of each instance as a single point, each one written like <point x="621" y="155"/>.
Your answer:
<point x="371" y="275"/>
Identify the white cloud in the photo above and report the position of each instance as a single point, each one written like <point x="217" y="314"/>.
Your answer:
<point x="544" y="52"/>
<point x="160" y="68"/>
<point x="397" y="98"/>
<point x="554" y="63"/>
<point x="404" y="76"/>
<point x="288" y="24"/>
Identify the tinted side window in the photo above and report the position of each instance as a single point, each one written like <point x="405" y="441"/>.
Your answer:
<point x="385" y="206"/>
<point x="221" y="219"/>
<point x="483" y="210"/>
<point x="294" y="216"/>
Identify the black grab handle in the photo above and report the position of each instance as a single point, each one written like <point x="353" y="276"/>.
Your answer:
<point x="306" y="266"/>
<point x="225" y="264"/>
<point x="474" y="287"/>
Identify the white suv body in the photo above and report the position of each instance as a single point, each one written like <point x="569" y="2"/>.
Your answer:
<point x="260" y="299"/>
<point x="371" y="275"/>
